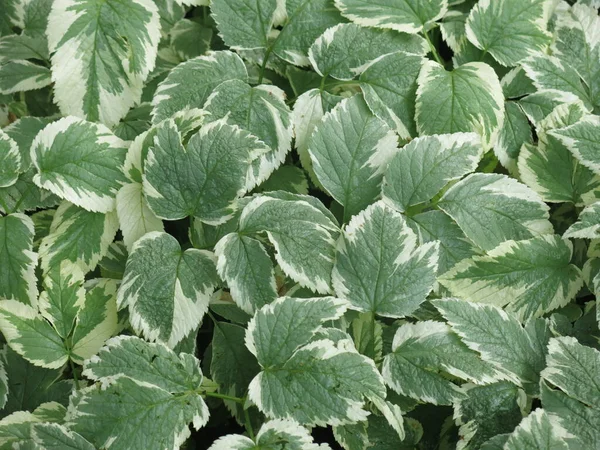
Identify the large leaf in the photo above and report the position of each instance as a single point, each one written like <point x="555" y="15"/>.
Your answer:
<point x="501" y="340"/>
<point x="538" y="431"/>
<point x="79" y="236"/>
<point x="422" y="354"/>
<point x="80" y="162"/>
<point x="318" y="382"/>
<point x="582" y="139"/>
<point x="103" y="51"/>
<point x="349" y="150"/>
<point x="166" y="289"/>
<point x="213" y="170"/>
<point x="529" y="278"/>
<point x="493" y="208"/>
<point x="17" y="277"/>
<point x="468" y="98"/>
<point x="409" y="16"/>
<point x="424" y="166"/>
<point x="510" y="30"/>
<point x="345" y="51"/>
<point x="189" y="84"/>
<point x="378" y="266"/>
<point x="303" y="236"/>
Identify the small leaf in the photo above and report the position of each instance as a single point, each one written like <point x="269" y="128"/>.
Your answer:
<point x="587" y="225"/>
<point x="10" y="160"/>
<point x="135" y="217"/>
<point x="538" y="430"/>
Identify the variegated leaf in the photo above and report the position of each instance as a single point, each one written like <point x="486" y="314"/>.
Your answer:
<point x="135" y="217"/>
<point x="538" y="431"/>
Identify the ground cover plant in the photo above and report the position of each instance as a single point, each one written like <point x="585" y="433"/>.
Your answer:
<point x="299" y="224"/>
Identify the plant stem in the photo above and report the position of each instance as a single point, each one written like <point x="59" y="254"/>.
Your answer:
<point x="74" y="372"/>
<point x="264" y="64"/>
<point x="224" y="397"/>
<point x="433" y="49"/>
<point x="248" y="424"/>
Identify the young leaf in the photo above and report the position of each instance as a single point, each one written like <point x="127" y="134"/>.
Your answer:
<point x="80" y="162"/>
<point x="18" y="261"/>
<point x="339" y="378"/>
<point x="10" y="160"/>
<point x="349" y="150"/>
<point x="424" y="166"/>
<point x="409" y="16"/>
<point x="135" y="217"/>
<point x="246" y="266"/>
<point x="492" y="208"/>
<point x="510" y="30"/>
<point x="102" y="52"/>
<point x="166" y="289"/>
<point x="379" y="268"/>
<point x="513" y="350"/>
<point x="389" y="86"/>
<point x="421" y="355"/>
<point x="587" y="225"/>
<point x="540" y="431"/>
<point x="529" y="278"/>
<point x="302" y="234"/>
<point x="469" y="98"/>
<point x="190" y="83"/>
<point x="78" y="236"/>
<point x="213" y="171"/>
<point x="346" y="50"/>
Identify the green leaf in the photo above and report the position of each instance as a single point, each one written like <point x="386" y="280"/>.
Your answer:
<point x="232" y="366"/>
<point x="135" y="217"/>
<point x="166" y="289"/>
<point x="190" y="38"/>
<point x="244" y="24"/>
<point x="80" y="162"/>
<point x="29" y="386"/>
<point x="516" y="84"/>
<point x="259" y="110"/>
<point x="574" y="369"/>
<point x="20" y="75"/>
<point x="409" y="16"/>
<point x="423" y="167"/>
<point x="302" y="234"/>
<point x="453" y="244"/>
<point x="10" y="160"/>
<point x="62" y="297"/>
<point x="379" y="268"/>
<point x="582" y="140"/>
<point x="346" y="50"/>
<point x="422" y="354"/>
<point x="529" y="278"/>
<point x="389" y="86"/>
<point x="190" y="83"/>
<point x="487" y="411"/>
<point x="31" y="336"/>
<point x="78" y="236"/>
<point x="97" y="320"/>
<point x="23" y="132"/>
<point x="539" y="105"/>
<point x="510" y="30"/>
<point x="587" y="225"/>
<point x="306" y="20"/>
<point x="349" y="150"/>
<point x="517" y="352"/>
<point x="469" y="98"/>
<point x="4" y="386"/>
<point x="567" y="181"/>
<point x="145" y="362"/>
<point x="286" y="178"/>
<point x="515" y="132"/>
<point x="538" y="431"/>
<point x="50" y="436"/>
<point x="246" y="266"/>
<point x="493" y="208"/>
<point x="277" y="330"/>
<point x="17" y="277"/>
<point x="125" y="415"/>
<point x="102" y="52"/>
<point x="548" y="73"/>
<point x="213" y="171"/>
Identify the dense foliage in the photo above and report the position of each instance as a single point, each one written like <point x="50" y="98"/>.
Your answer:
<point x="299" y="224"/>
